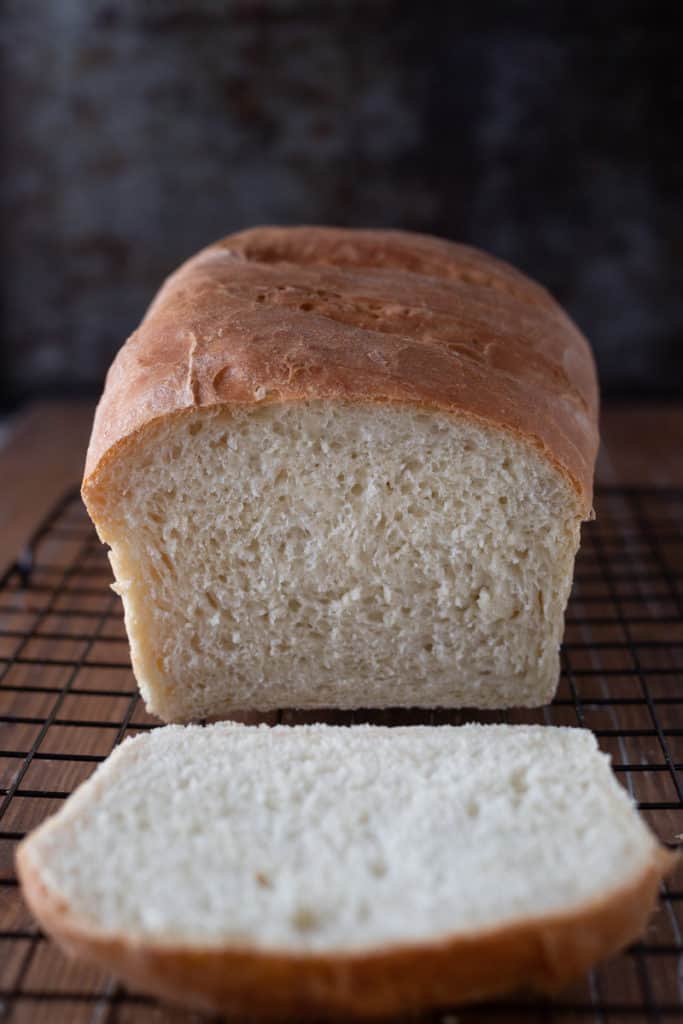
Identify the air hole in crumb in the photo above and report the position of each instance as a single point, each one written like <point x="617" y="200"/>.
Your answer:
<point x="378" y="868"/>
<point x="260" y="298"/>
<point x="304" y="919"/>
<point x="294" y="605"/>
<point x="428" y="648"/>
<point x="168" y="563"/>
<point x="356" y="489"/>
<point x="211" y="598"/>
<point x="472" y="808"/>
<point x="263" y="880"/>
<point x="502" y="500"/>
<point x="195" y="428"/>
<point x="519" y="781"/>
<point x="306" y="307"/>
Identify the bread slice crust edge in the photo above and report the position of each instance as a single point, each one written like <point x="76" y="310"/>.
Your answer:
<point x="543" y="954"/>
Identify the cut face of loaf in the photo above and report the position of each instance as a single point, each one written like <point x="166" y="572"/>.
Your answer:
<point x="338" y="554"/>
<point x="311" y="871"/>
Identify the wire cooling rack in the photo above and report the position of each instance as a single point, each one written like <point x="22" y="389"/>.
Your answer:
<point x="67" y="696"/>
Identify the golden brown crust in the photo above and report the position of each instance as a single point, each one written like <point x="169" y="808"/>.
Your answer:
<point x="543" y="954"/>
<point x="294" y="314"/>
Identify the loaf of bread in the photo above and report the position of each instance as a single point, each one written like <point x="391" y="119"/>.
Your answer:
<point x="344" y="468"/>
<point x="320" y="871"/>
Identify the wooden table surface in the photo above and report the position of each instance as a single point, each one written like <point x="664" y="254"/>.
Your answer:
<point x="42" y="449"/>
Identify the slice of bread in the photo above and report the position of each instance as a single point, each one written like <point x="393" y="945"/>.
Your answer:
<point x="317" y="871"/>
<point x="343" y="468"/>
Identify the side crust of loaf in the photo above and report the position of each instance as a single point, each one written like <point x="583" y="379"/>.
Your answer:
<point x="544" y="954"/>
<point x="294" y="314"/>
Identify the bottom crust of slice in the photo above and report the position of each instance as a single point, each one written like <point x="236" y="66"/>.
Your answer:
<point x="541" y="954"/>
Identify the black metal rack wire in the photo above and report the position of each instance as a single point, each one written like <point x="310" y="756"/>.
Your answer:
<point x="67" y="696"/>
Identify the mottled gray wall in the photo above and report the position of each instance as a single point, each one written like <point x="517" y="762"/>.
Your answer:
<point x="137" y="131"/>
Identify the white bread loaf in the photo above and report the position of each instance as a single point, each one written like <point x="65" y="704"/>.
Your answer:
<point x="315" y="871"/>
<point x="344" y="468"/>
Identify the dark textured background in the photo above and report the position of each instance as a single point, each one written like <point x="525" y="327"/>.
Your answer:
<point x="137" y="131"/>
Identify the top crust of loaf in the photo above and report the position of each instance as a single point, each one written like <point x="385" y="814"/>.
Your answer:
<point x="293" y="314"/>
